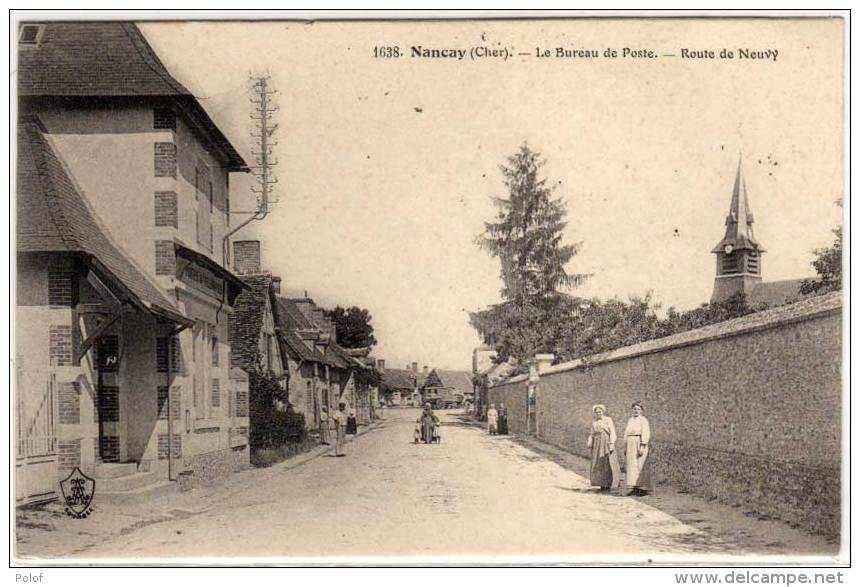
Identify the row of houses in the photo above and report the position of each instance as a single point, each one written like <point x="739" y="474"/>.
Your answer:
<point x="293" y="340"/>
<point x="135" y="335"/>
<point x="439" y="387"/>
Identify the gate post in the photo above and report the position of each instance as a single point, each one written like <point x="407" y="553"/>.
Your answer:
<point x="537" y="367"/>
<point x="531" y="401"/>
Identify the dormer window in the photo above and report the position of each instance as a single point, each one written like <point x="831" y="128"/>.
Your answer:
<point x="30" y="34"/>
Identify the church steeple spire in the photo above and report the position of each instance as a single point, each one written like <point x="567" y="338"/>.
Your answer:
<point x="739" y="223"/>
<point x="738" y="253"/>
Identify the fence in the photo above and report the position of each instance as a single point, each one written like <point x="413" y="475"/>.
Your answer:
<point x="36" y="436"/>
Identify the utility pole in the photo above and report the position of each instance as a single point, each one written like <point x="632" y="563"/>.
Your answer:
<point x="263" y="128"/>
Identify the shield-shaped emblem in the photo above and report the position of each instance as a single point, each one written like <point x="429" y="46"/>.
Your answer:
<point x="78" y="491"/>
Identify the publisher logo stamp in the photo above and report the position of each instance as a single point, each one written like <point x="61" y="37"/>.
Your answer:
<point x="78" y="491"/>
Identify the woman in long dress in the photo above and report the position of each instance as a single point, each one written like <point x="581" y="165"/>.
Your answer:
<point x="503" y="419"/>
<point x="637" y="439"/>
<point x="351" y="423"/>
<point x="427" y="423"/>
<point x="492" y="420"/>
<point x="324" y="427"/>
<point x="339" y="418"/>
<point x="604" y="471"/>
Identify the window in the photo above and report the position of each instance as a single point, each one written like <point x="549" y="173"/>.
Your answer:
<point x="163" y="119"/>
<point x="30" y="34"/>
<point x="215" y="359"/>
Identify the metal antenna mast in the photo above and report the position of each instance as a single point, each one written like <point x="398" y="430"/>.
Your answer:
<point x="262" y="131"/>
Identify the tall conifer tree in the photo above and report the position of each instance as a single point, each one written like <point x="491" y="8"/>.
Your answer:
<point x="526" y="236"/>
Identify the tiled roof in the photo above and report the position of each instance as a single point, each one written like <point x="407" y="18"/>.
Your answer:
<point x="289" y="318"/>
<point x="107" y="59"/>
<point x="805" y="309"/>
<point x="53" y="215"/>
<point x="432" y="380"/>
<point x="398" y="379"/>
<point x="461" y="381"/>
<point x="337" y="357"/>
<point x="247" y="321"/>
<point x="774" y="293"/>
<point x="294" y="317"/>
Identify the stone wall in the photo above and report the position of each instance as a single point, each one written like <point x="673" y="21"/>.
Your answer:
<point x="747" y="411"/>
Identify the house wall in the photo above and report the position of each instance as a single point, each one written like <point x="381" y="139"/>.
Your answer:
<point x="136" y="427"/>
<point x="302" y="391"/>
<point x="122" y="139"/>
<point x="751" y="419"/>
<point x="115" y="155"/>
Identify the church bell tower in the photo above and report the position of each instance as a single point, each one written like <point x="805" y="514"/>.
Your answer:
<point x="739" y="253"/>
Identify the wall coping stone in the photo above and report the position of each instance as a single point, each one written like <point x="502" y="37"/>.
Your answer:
<point x="813" y="307"/>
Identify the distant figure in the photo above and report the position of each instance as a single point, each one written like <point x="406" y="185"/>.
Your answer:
<point x="638" y="435"/>
<point x="339" y="418"/>
<point x="351" y="423"/>
<point x="492" y="420"/>
<point x="503" y="419"/>
<point x="324" y="424"/>
<point x="426" y="429"/>
<point x="604" y="471"/>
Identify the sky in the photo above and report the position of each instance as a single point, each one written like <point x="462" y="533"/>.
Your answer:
<point x="387" y="166"/>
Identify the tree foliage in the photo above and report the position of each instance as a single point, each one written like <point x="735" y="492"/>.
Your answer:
<point x="526" y="237"/>
<point x="273" y="422"/>
<point x="369" y="377"/>
<point x="601" y="326"/>
<point x="354" y="329"/>
<point x="828" y="265"/>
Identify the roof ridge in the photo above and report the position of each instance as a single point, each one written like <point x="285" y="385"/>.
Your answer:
<point x="147" y="53"/>
<point x="58" y="216"/>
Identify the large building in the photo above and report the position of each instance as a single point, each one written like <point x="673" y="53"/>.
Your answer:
<point x="123" y="290"/>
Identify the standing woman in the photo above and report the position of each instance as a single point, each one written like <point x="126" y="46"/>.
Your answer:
<point x="638" y="437"/>
<point x="604" y="471"/>
<point x="324" y="426"/>
<point x="492" y="420"/>
<point x="351" y="423"/>
<point x="339" y="418"/>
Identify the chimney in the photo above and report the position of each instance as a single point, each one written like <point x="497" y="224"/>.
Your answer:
<point x="246" y="257"/>
<point x="380" y="365"/>
<point x="415" y="367"/>
<point x="305" y="305"/>
<point x="426" y="369"/>
<point x="276" y="285"/>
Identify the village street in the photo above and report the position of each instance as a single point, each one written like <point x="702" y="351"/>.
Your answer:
<point x="472" y="495"/>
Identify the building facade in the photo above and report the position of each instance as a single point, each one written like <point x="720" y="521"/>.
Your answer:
<point x="153" y="170"/>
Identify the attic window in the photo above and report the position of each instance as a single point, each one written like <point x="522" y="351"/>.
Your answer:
<point x="30" y="34"/>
